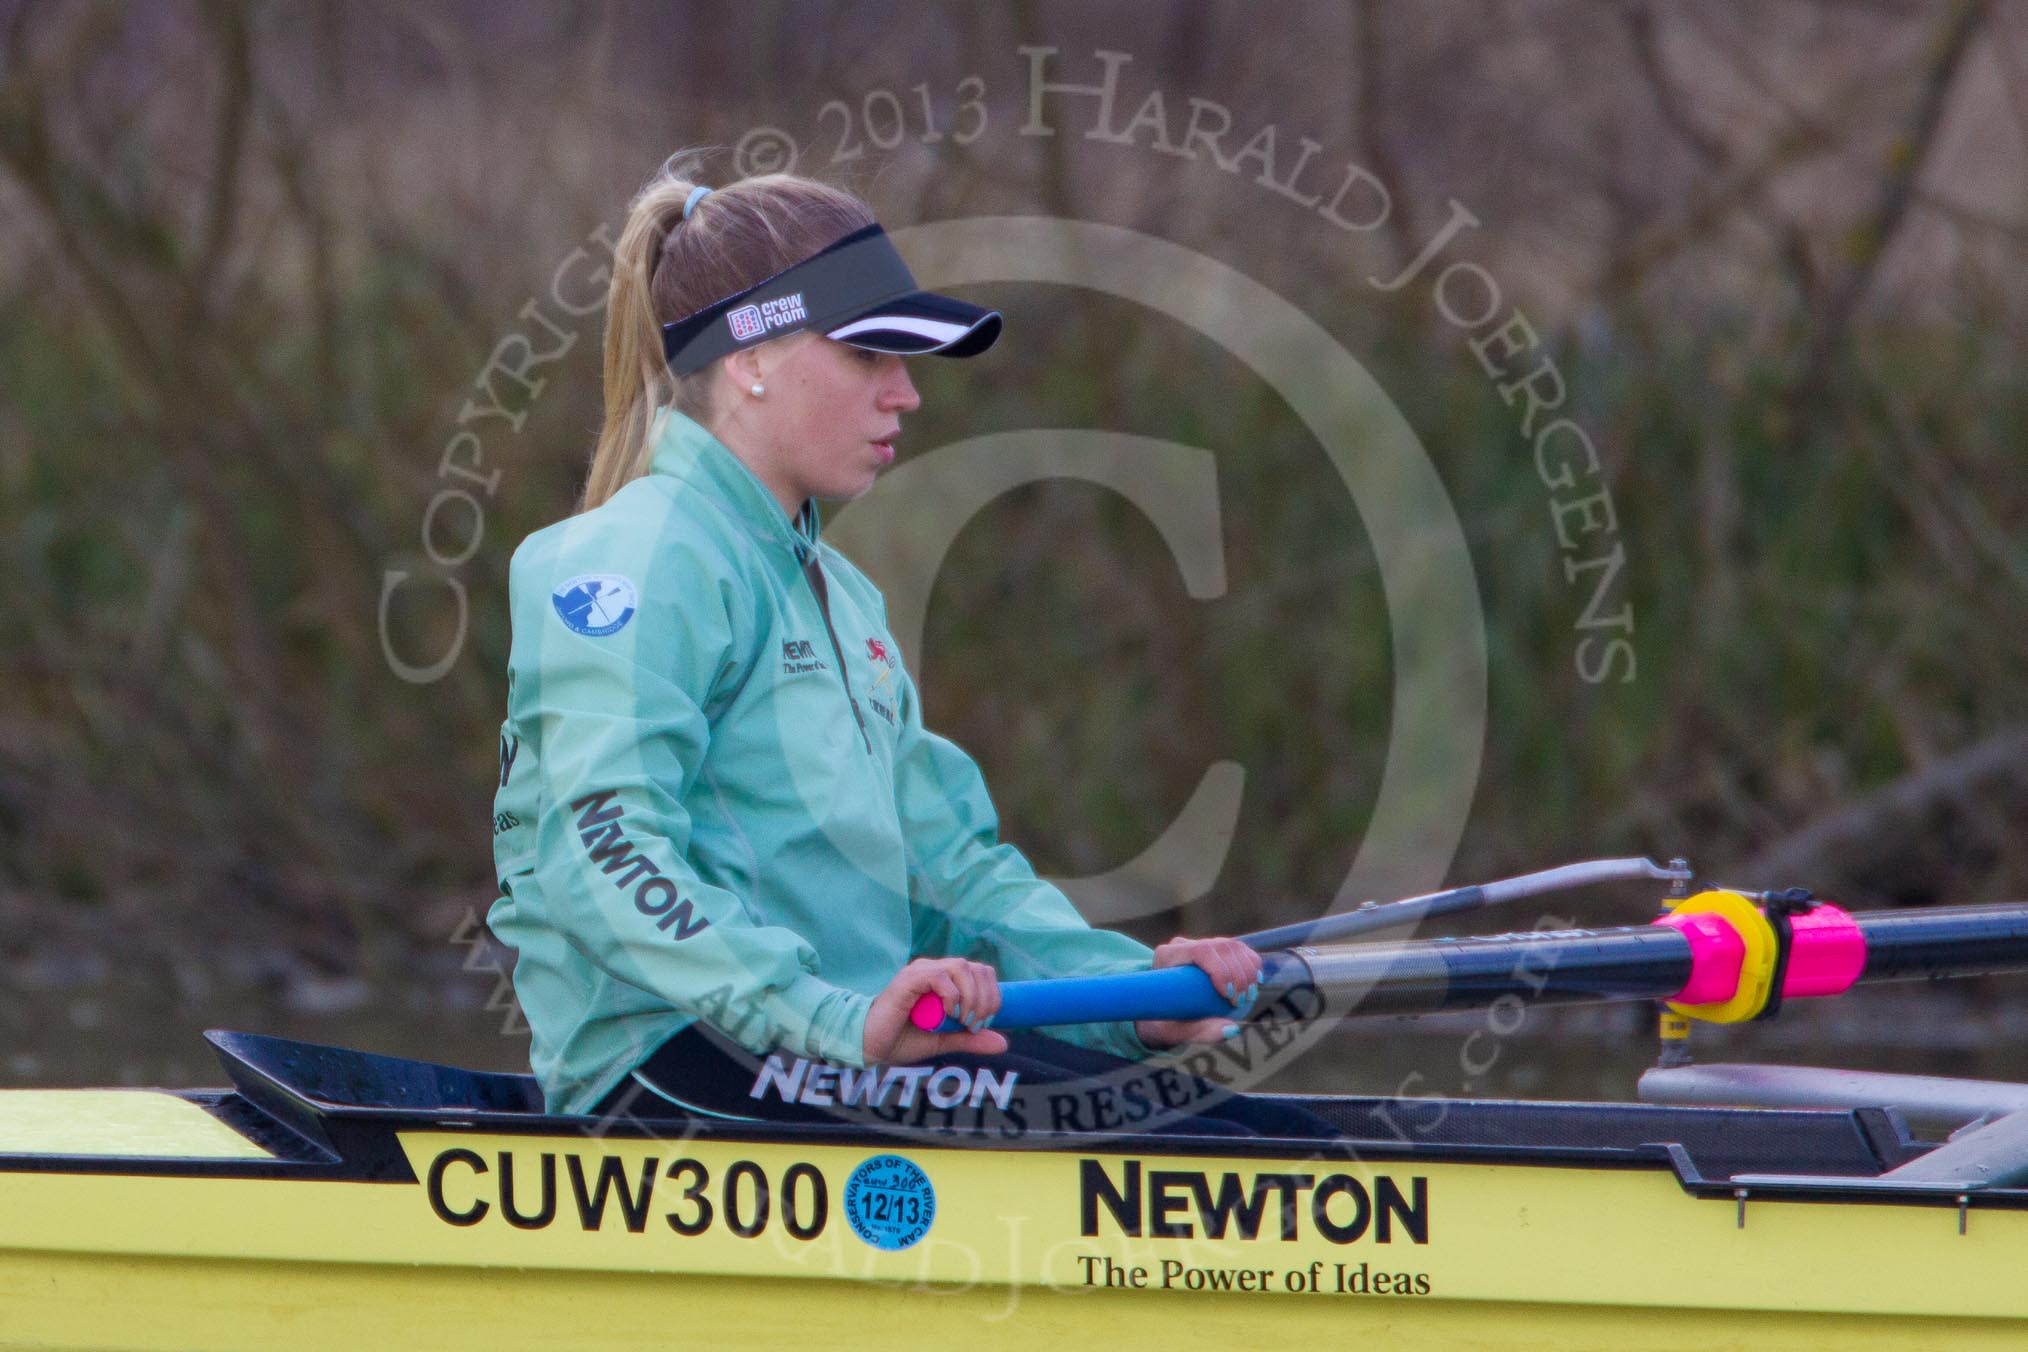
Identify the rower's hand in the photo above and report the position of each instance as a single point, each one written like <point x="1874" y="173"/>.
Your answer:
<point x="1234" y="970"/>
<point x="971" y="994"/>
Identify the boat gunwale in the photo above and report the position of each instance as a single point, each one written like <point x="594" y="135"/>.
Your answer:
<point x="314" y="1137"/>
<point x="368" y="1150"/>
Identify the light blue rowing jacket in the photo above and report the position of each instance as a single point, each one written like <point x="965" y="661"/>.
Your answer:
<point x="717" y="797"/>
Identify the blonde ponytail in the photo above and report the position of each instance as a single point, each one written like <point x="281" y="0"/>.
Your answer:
<point x="666" y="268"/>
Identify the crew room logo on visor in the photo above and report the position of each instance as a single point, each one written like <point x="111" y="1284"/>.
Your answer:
<point x="596" y="604"/>
<point x="751" y="321"/>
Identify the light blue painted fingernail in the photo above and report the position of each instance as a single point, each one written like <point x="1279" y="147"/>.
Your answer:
<point x="1229" y="990"/>
<point x="1231" y="1031"/>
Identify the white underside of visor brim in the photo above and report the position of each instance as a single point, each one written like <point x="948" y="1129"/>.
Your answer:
<point x="933" y="330"/>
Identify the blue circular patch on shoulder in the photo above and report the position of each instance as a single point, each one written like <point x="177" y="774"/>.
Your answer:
<point x="595" y="604"/>
<point x="889" y="1202"/>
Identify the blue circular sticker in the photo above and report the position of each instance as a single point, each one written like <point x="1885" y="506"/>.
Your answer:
<point x="889" y="1202"/>
<point x="595" y="604"/>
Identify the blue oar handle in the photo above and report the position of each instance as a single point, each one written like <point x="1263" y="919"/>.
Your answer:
<point x="1186" y="992"/>
<point x="1167" y="993"/>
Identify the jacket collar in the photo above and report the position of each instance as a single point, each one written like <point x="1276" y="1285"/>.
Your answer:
<point x="685" y="451"/>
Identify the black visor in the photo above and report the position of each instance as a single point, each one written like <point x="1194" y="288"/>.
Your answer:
<point x="857" y="291"/>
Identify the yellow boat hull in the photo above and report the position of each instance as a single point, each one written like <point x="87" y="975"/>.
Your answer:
<point x="161" y="1304"/>
<point x="1022" y="1244"/>
<point x="338" y="1200"/>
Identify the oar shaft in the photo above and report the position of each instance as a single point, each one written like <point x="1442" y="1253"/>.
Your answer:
<point x="1662" y="961"/>
<point x="1651" y="962"/>
<point x="1952" y="941"/>
<point x="1636" y="963"/>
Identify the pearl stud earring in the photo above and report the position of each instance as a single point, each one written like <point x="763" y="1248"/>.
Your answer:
<point x="759" y="389"/>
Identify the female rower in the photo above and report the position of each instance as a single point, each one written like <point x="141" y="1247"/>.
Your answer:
<point x="731" y="857"/>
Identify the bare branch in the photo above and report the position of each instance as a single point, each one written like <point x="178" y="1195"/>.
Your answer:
<point x="1739" y="185"/>
<point x="1640" y="22"/>
<point x="1828" y="847"/>
<point x="1371" y="43"/>
<point x="1792" y="244"/>
<point x="1746" y="64"/>
<point x="1948" y="501"/>
<point x="228" y="20"/>
<point x="1904" y="165"/>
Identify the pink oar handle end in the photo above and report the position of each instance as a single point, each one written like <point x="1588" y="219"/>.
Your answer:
<point x="928" y="1013"/>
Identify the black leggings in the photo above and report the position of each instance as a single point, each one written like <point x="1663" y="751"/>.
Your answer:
<point x="1038" y="1085"/>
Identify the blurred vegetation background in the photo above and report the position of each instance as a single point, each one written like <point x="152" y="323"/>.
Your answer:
<point x="260" y="261"/>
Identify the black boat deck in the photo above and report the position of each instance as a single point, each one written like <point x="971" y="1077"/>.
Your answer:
<point x="333" y="1107"/>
